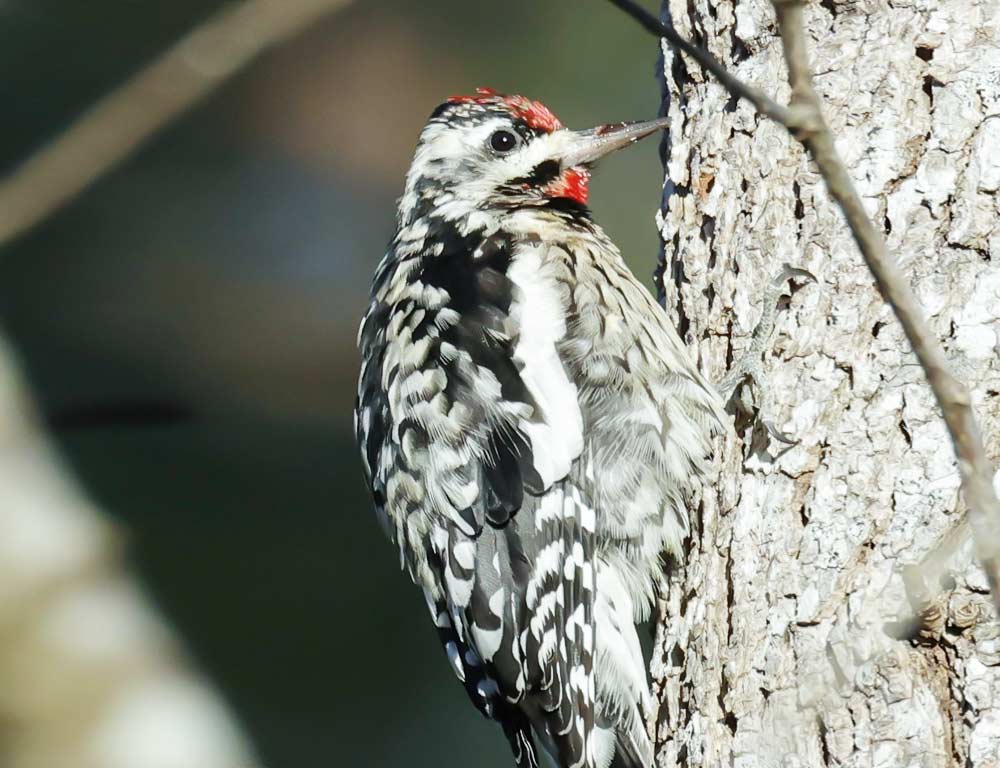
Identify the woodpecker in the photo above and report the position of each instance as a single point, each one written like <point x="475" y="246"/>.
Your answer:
<point x="531" y="425"/>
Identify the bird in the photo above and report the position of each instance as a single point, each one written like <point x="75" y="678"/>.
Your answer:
<point x="531" y="427"/>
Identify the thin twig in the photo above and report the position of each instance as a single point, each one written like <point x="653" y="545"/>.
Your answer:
<point x="803" y="119"/>
<point x="763" y="103"/>
<point x="127" y="117"/>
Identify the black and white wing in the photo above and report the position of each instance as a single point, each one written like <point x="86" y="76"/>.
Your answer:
<point x="471" y="428"/>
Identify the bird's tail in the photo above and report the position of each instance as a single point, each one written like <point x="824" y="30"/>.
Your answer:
<point x="633" y="749"/>
<point x="623" y="687"/>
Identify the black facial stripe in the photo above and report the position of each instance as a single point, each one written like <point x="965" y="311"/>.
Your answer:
<point x="544" y="173"/>
<point x="573" y="210"/>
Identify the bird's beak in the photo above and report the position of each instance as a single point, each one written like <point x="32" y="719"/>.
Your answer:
<point x="587" y="146"/>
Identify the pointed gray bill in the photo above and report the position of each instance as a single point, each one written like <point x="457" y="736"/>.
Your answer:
<point x="587" y="146"/>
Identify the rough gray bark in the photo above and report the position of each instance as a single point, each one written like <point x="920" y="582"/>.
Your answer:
<point x="778" y="639"/>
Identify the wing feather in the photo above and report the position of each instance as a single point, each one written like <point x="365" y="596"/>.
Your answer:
<point x="471" y="427"/>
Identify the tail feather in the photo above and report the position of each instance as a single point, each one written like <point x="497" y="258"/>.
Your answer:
<point x="623" y="688"/>
<point x="623" y="760"/>
<point x="634" y="749"/>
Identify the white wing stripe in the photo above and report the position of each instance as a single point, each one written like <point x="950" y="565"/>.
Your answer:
<point x="540" y="317"/>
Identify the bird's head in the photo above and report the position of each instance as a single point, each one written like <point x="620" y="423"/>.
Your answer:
<point x="488" y="152"/>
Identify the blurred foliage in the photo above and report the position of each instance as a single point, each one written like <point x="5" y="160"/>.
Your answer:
<point x="226" y="267"/>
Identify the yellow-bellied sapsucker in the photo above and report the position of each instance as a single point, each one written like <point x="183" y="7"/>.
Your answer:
<point x="530" y="424"/>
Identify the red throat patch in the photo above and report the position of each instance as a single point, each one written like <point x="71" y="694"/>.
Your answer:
<point x="535" y="114"/>
<point x="574" y="183"/>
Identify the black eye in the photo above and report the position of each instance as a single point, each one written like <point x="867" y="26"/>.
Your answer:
<point x="503" y="141"/>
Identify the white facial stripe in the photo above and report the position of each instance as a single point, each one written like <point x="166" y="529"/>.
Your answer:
<point x="460" y="155"/>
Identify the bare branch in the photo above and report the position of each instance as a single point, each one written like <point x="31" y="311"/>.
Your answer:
<point x="93" y="678"/>
<point x="803" y="119"/>
<point x="761" y="101"/>
<point x="127" y="117"/>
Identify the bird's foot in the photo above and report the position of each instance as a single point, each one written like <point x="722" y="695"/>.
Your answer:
<point x="749" y="368"/>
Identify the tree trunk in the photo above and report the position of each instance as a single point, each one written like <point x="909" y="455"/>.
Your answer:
<point x="783" y="639"/>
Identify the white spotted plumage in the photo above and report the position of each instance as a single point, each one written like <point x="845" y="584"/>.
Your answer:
<point x="531" y="426"/>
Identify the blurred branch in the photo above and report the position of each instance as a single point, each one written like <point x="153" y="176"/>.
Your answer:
<point x="119" y="413"/>
<point x="92" y="676"/>
<point x="127" y="117"/>
<point x="803" y="118"/>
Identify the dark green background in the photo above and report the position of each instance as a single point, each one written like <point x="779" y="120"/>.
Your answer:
<point x="225" y="267"/>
